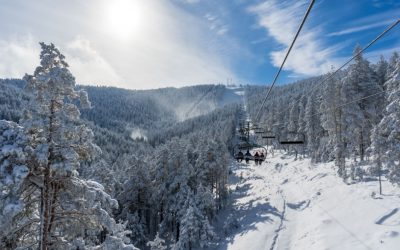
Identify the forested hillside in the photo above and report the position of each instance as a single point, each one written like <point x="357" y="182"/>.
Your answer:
<point x="164" y="158"/>
<point x="350" y="117"/>
<point x="152" y="166"/>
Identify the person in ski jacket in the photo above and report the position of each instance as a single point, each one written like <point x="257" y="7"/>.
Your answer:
<point x="262" y="158"/>
<point x="247" y="156"/>
<point x="240" y="156"/>
<point x="256" y="158"/>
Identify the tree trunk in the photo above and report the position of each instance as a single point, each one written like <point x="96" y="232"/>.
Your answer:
<point x="361" y="146"/>
<point x="55" y="189"/>
<point x="379" y="177"/>
<point x="45" y="197"/>
<point x="46" y="211"/>
<point x="177" y="231"/>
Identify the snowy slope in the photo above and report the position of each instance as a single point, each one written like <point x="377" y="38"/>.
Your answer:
<point x="231" y="94"/>
<point x="287" y="204"/>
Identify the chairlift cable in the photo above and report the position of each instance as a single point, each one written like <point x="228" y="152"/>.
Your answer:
<point x="190" y="110"/>
<point x="325" y="80"/>
<point x="286" y="56"/>
<point x="347" y="103"/>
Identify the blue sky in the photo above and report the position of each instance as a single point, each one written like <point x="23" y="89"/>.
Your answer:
<point x="142" y="44"/>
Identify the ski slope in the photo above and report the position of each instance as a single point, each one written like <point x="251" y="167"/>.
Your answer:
<point x="288" y="204"/>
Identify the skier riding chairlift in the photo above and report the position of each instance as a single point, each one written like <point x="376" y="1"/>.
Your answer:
<point x="248" y="156"/>
<point x="262" y="158"/>
<point x="257" y="158"/>
<point x="240" y="156"/>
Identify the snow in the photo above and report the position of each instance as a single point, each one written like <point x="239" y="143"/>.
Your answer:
<point x="138" y="133"/>
<point x="12" y="208"/>
<point x="232" y="94"/>
<point x="288" y="204"/>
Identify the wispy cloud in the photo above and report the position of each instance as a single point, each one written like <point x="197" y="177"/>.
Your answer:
<point x="258" y="41"/>
<point x="191" y="1"/>
<point x="216" y="24"/>
<point x="392" y="14"/>
<point x="281" y="20"/>
<point x="361" y="28"/>
<point x="84" y="60"/>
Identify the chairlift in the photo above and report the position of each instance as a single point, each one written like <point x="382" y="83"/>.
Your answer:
<point x="247" y="146"/>
<point x="243" y="138"/>
<point x="293" y="141"/>
<point x="268" y="135"/>
<point x="259" y="132"/>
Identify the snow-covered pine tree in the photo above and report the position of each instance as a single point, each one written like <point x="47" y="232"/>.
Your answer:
<point x="69" y="208"/>
<point x="293" y="117"/>
<point x="13" y="172"/>
<point x="386" y="135"/>
<point x="195" y="229"/>
<point x="302" y="123"/>
<point x="293" y="124"/>
<point x="381" y="70"/>
<point x="135" y="199"/>
<point x="157" y="243"/>
<point x="312" y="128"/>
<point x="394" y="59"/>
<point x="331" y="120"/>
<point x="378" y="147"/>
<point x="359" y="116"/>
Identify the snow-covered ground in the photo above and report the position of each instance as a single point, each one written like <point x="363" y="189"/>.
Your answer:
<point x="231" y="95"/>
<point x="288" y="204"/>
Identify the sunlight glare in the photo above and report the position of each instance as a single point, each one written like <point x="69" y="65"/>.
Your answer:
<point x="124" y="18"/>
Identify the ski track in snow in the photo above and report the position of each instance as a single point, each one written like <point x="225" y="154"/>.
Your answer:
<point x="288" y="204"/>
<point x="282" y="217"/>
<point x="387" y="216"/>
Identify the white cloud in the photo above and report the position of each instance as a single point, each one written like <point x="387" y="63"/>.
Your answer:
<point x="18" y="55"/>
<point x="216" y="24"/>
<point x="190" y="1"/>
<point x="281" y="19"/>
<point x="390" y="14"/>
<point x="88" y="66"/>
<point x="175" y="49"/>
<point x="361" y="28"/>
<point x="172" y="47"/>
<point x="374" y="56"/>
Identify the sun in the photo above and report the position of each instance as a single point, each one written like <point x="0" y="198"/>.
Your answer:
<point x="124" y="17"/>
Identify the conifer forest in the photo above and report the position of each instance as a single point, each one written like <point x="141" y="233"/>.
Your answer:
<point x="307" y="159"/>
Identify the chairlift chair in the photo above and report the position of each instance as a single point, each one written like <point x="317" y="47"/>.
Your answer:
<point x="268" y="135"/>
<point x="244" y="146"/>
<point x="243" y="138"/>
<point x="259" y="132"/>
<point x="293" y="141"/>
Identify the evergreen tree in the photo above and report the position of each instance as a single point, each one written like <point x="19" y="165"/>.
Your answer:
<point x="68" y="207"/>
<point x="382" y="72"/>
<point x="194" y="227"/>
<point x="385" y="139"/>
<point x="14" y="156"/>
<point x="331" y="120"/>
<point x="312" y="128"/>
<point x="157" y="244"/>
<point x="359" y="116"/>
<point x="393" y="61"/>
